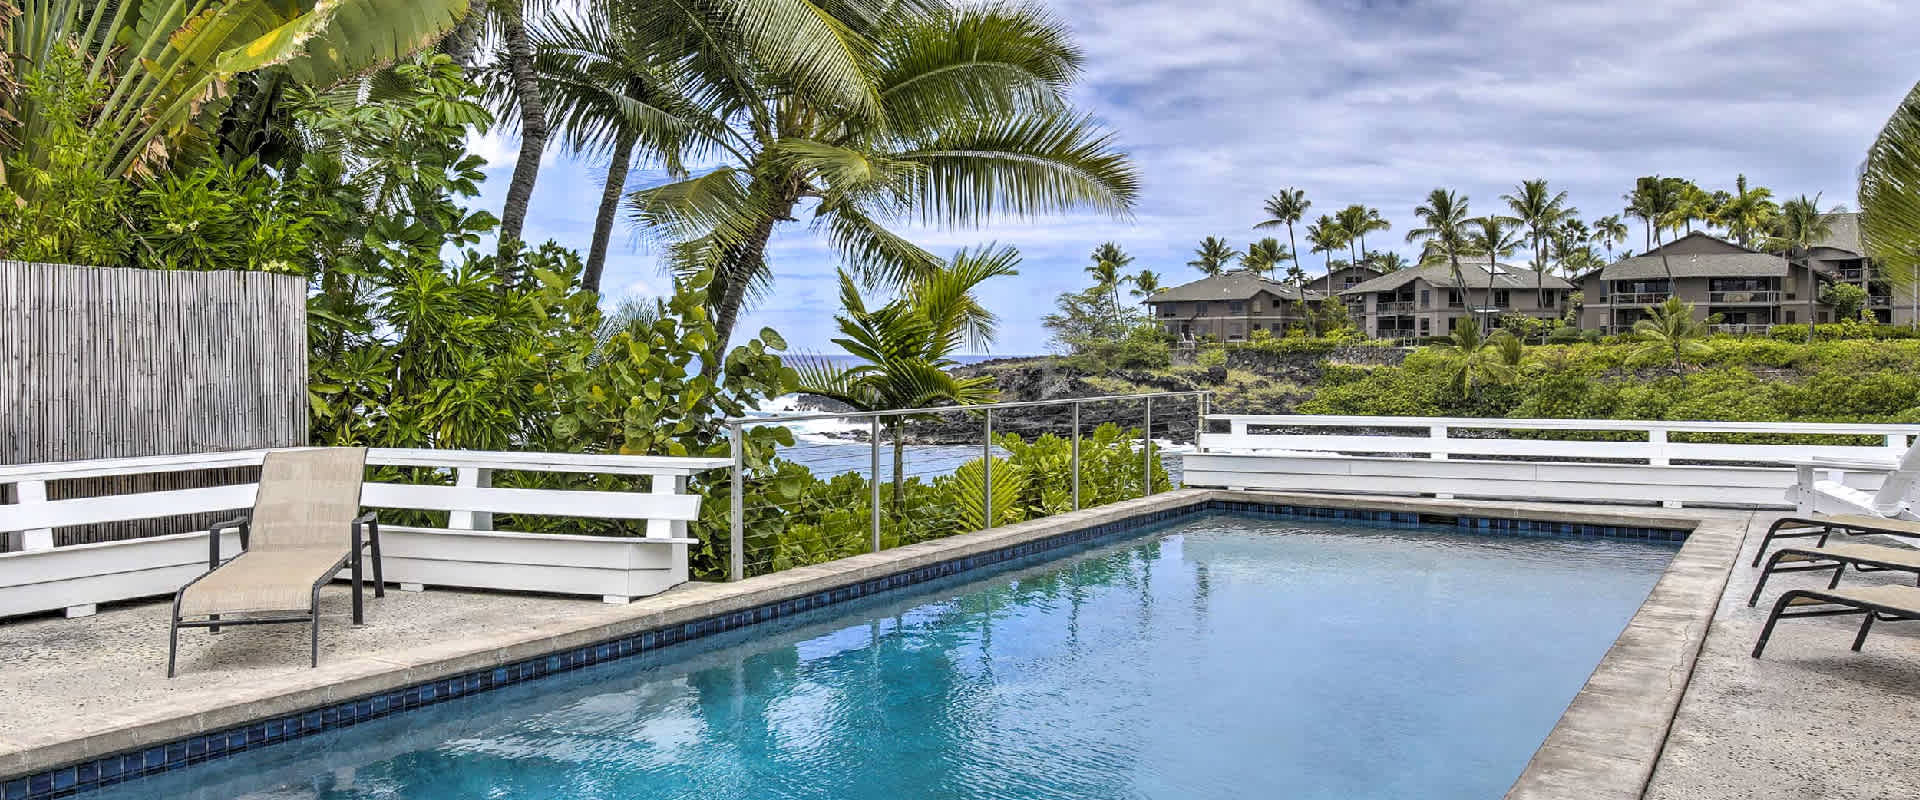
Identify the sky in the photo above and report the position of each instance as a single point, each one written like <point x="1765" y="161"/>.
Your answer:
<point x="1223" y="102"/>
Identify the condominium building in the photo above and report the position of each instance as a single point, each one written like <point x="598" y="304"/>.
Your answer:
<point x="1428" y="301"/>
<point x="1230" y="306"/>
<point x="1749" y="289"/>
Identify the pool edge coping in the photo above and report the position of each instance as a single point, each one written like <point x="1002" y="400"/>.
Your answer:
<point x="368" y="676"/>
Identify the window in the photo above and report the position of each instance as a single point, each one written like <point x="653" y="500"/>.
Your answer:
<point x="1236" y="307"/>
<point x="1426" y="329"/>
<point x="1200" y="309"/>
<point x="1550" y="299"/>
<point x="1256" y="305"/>
<point x="1169" y="310"/>
<point x="1501" y="299"/>
<point x="1790" y="316"/>
<point x="1453" y="298"/>
<point x="1276" y="328"/>
<point x="1426" y="298"/>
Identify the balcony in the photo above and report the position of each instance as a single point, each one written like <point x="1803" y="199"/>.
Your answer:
<point x="1851" y="273"/>
<point x="1744" y="298"/>
<point x="1879" y="301"/>
<point x="1395" y="307"/>
<point x="1742" y="329"/>
<point x="1636" y="298"/>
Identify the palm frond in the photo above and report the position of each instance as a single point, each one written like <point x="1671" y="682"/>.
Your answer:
<point x="1890" y="193"/>
<point x="1022" y="166"/>
<point x="875" y="255"/>
<point x="983" y="60"/>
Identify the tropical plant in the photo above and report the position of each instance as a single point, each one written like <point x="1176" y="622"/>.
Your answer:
<point x="1691" y="203"/>
<point x="1542" y="210"/>
<point x="170" y="66"/>
<point x="1472" y="358"/>
<point x="1358" y="221"/>
<point x="1286" y="208"/>
<point x="1212" y="256"/>
<point x="1494" y="236"/>
<point x="1747" y="213"/>
<point x="1847" y="300"/>
<point x="607" y="95"/>
<point x="1609" y="231"/>
<point x="1443" y="231"/>
<point x="905" y="347"/>
<point x="1653" y="201"/>
<point x="1145" y="283"/>
<point x="1387" y="261"/>
<point x="1263" y="255"/>
<point x="1890" y="194"/>
<point x="1799" y="227"/>
<point x="961" y="115"/>
<point x="1108" y="261"/>
<point x="1670" y="329"/>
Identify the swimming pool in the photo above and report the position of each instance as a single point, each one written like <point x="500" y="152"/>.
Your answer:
<point x="1223" y="656"/>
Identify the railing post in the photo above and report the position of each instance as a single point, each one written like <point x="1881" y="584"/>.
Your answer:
<point x="1074" y="462"/>
<point x="873" y="434"/>
<point x="986" y="474"/>
<point x="663" y="528"/>
<point x="1146" y="452"/>
<point x="1657" y="439"/>
<point x="1199" y="418"/>
<point x="1438" y="433"/>
<point x="475" y="478"/>
<point x="29" y="493"/>
<point x="737" y="537"/>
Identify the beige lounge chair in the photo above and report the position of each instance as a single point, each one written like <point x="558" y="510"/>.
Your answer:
<point x="1883" y="603"/>
<point x="302" y="531"/>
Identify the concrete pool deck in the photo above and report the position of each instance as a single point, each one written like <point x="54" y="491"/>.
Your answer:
<point x="1810" y="720"/>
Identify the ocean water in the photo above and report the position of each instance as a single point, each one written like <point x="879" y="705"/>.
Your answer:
<point x="1222" y="657"/>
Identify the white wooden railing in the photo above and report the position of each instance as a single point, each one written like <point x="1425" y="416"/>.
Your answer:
<point x="1466" y="457"/>
<point x="467" y="553"/>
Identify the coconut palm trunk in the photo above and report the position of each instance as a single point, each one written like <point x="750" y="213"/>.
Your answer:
<point x="533" y="131"/>
<point x="622" y="161"/>
<point x="729" y="288"/>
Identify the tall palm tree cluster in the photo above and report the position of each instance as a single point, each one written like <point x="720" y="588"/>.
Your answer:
<point x="854" y="116"/>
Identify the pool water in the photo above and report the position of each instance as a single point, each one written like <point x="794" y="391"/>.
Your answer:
<point x="1222" y="657"/>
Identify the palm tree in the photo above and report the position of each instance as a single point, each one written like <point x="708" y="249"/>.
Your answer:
<point x="1443" y="231"/>
<point x="1670" y="328"/>
<point x="163" y="63"/>
<point x="1890" y="196"/>
<point x="1108" y="261"/>
<point x="1747" y="213"/>
<point x="1358" y="221"/>
<point x="1496" y="236"/>
<point x="1654" y="201"/>
<point x="607" y="95"/>
<point x="1262" y="256"/>
<point x="1326" y="235"/>
<point x="1287" y="208"/>
<point x="1471" y="357"/>
<point x="1212" y="256"/>
<point x="1388" y="261"/>
<point x="1799" y="228"/>
<point x="906" y="347"/>
<point x="1609" y="231"/>
<point x="1541" y="210"/>
<point x="964" y="117"/>
<point x="1145" y="283"/>
<point x="1690" y="203"/>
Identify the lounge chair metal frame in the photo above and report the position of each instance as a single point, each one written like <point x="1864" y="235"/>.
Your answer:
<point x="1826" y="526"/>
<point x="365" y="532"/>
<point x="1824" y="560"/>
<point x="1853" y="605"/>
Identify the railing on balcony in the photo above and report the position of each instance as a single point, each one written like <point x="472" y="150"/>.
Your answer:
<point x="1394" y="307"/>
<point x="1742" y="328"/>
<point x="1630" y="461"/>
<point x="1879" y="301"/>
<point x="1636" y="298"/>
<point x="1851" y="273"/>
<point x="1744" y="297"/>
<point x="468" y="552"/>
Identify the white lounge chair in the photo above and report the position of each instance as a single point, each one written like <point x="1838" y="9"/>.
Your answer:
<point x="1893" y="500"/>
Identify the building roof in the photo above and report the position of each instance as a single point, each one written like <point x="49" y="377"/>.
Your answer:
<point x="1506" y="276"/>
<point x="1237" y="284"/>
<point x="1697" y="255"/>
<point x="1844" y="234"/>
